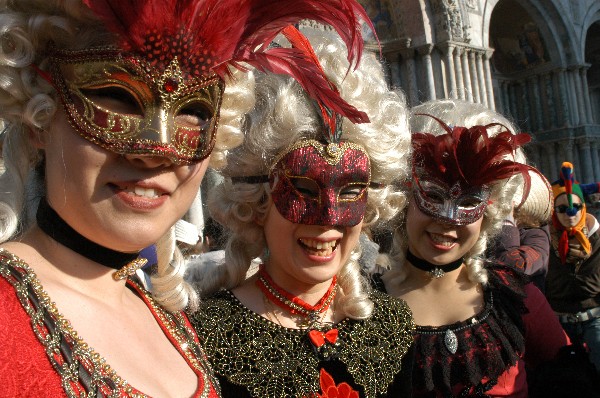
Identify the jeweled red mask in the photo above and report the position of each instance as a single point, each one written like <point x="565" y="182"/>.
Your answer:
<point x="321" y="184"/>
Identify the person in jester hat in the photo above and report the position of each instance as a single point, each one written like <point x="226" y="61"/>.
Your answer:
<point x="110" y="110"/>
<point x="573" y="280"/>
<point x="296" y="194"/>
<point x="478" y="323"/>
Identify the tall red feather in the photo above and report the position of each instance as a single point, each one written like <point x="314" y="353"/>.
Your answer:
<point x="207" y="36"/>
<point x="470" y="156"/>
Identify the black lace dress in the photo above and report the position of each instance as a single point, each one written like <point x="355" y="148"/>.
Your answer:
<point x="254" y="357"/>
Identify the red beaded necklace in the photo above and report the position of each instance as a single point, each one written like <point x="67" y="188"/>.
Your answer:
<point x="323" y="336"/>
<point x="291" y="303"/>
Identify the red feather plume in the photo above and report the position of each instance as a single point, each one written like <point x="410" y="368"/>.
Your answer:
<point x="470" y="156"/>
<point x="207" y="36"/>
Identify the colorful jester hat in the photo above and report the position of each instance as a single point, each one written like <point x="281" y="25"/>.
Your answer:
<point x="453" y="172"/>
<point x="172" y="56"/>
<point x="566" y="184"/>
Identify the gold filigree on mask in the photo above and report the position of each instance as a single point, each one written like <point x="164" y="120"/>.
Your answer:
<point x="122" y="103"/>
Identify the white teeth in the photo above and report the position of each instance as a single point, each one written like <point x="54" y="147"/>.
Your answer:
<point x="441" y="239"/>
<point x="144" y="192"/>
<point x="321" y="248"/>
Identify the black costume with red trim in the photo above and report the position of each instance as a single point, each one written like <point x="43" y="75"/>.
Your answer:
<point x="490" y="346"/>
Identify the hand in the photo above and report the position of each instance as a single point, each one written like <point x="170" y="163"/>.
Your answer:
<point x="576" y="253"/>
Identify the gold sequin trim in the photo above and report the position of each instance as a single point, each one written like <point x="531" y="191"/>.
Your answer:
<point x="83" y="371"/>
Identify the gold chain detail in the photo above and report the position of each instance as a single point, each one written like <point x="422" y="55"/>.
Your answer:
<point x="129" y="269"/>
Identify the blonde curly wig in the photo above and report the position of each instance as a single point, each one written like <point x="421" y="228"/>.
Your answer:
<point x="28" y="105"/>
<point x="284" y="115"/>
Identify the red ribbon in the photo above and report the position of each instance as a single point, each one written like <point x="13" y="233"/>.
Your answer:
<point x="318" y="338"/>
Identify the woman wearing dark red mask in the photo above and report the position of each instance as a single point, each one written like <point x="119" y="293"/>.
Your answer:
<point x="478" y="322"/>
<point x="297" y="193"/>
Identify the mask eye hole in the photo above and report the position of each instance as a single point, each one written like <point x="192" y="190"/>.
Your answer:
<point x="470" y="202"/>
<point x="351" y="191"/>
<point x="306" y="187"/>
<point x="196" y="115"/>
<point x="114" y="99"/>
<point x="434" y="196"/>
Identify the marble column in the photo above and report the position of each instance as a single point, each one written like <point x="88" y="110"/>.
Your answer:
<point x="395" y="69"/>
<point x="408" y="55"/>
<point x="536" y="117"/>
<point x="448" y="51"/>
<point x="552" y="160"/>
<point x="585" y="155"/>
<point x="545" y="159"/>
<point x="488" y="78"/>
<point x="466" y="75"/>
<point x="595" y="159"/>
<point x="569" y="152"/>
<point x="425" y="53"/>
<point x="580" y="95"/>
<point x="574" y="102"/>
<point x="460" y="85"/>
<point x="505" y="97"/>
<point x="474" y="79"/>
<point x="585" y="92"/>
<point x="533" y="158"/>
<point x="481" y="79"/>
<point x="547" y="100"/>
<point x="558" y="98"/>
<point x="514" y="106"/>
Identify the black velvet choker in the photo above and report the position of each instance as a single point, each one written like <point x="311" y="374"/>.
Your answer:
<point x="436" y="271"/>
<point x="50" y="222"/>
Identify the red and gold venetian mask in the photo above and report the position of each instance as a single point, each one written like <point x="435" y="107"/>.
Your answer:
<point x="159" y="89"/>
<point x="124" y="104"/>
<point x="319" y="183"/>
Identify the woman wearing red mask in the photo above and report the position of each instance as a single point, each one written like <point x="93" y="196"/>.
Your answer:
<point x="478" y="322"/>
<point x="304" y="322"/>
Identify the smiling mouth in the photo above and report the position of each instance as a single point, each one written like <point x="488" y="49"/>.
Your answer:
<point x="141" y="192"/>
<point x="319" y="248"/>
<point x="442" y="240"/>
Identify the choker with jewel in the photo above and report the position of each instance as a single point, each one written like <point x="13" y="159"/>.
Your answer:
<point x="322" y="335"/>
<point x="436" y="271"/>
<point x="54" y="226"/>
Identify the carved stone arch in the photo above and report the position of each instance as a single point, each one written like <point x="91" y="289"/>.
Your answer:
<point x="555" y="29"/>
<point x="396" y="11"/>
<point x="592" y="17"/>
<point x="451" y="20"/>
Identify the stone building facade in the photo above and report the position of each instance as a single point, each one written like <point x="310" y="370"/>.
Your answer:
<point x="536" y="61"/>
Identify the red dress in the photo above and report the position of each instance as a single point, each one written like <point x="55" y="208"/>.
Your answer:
<point x="42" y="356"/>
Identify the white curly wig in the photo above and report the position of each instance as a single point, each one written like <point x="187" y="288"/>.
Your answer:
<point x="503" y="194"/>
<point x="28" y="105"/>
<point x="284" y="115"/>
